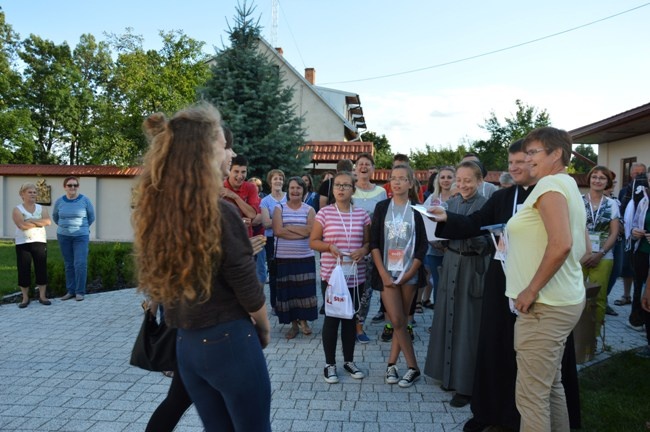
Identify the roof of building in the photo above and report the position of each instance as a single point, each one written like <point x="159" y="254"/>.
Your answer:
<point x="334" y="151"/>
<point x="627" y="124"/>
<point x="69" y="170"/>
<point x="352" y="130"/>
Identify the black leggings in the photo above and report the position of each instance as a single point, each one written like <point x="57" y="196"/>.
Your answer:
<point x="330" y="336"/>
<point x="171" y="409"/>
<point x="25" y="253"/>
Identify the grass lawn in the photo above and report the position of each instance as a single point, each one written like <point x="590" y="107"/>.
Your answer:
<point x="615" y="394"/>
<point x="110" y="266"/>
<point x="8" y="270"/>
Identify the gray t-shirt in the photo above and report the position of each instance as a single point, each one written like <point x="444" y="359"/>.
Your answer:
<point x="399" y="239"/>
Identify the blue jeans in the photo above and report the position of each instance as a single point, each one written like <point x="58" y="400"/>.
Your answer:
<point x="225" y="373"/>
<point x="260" y="262"/>
<point x="432" y="262"/>
<point x="75" y="257"/>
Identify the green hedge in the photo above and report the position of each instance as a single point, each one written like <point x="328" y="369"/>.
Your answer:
<point x="110" y="267"/>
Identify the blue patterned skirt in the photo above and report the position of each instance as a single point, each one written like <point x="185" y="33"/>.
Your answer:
<point x="296" y="290"/>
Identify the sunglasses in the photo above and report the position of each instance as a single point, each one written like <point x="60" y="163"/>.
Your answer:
<point x="72" y="185"/>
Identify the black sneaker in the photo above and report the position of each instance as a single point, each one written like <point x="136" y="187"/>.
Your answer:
<point x="330" y="374"/>
<point x="387" y="334"/>
<point x="353" y="370"/>
<point x="379" y="317"/>
<point x="409" y="328"/>
<point x="460" y="400"/>
<point x="392" y="375"/>
<point x="473" y="425"/>
<point x="410" y="377"/>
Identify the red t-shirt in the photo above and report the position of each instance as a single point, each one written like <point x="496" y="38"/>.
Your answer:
<point x="248" y="193"/>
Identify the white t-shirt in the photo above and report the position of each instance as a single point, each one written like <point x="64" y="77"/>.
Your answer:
<point x="31" y="235"/>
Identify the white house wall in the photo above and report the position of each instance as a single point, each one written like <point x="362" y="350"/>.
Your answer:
<point x="612" y="154"/>
<point x="320" y="121"/>
<point x="111" y="198"/>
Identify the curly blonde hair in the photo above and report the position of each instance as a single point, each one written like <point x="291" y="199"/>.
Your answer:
<point x="176" y="219"/>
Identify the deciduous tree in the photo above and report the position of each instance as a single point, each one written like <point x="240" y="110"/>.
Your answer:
<point x="16" y="133"/>
<point x="494" y="152"/>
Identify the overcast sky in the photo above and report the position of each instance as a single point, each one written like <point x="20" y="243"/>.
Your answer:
<point x="579" y="76"/>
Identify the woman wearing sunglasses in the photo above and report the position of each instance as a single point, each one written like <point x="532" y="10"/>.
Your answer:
<point x="74" y="214"/>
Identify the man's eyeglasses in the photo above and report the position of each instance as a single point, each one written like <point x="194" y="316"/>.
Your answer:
<point x="533" y="152"/>
<point x="342" y="186"/>
<point x="72" y="185"/>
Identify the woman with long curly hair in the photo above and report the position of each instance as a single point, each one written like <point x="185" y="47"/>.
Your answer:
<point x="212" y="297"/>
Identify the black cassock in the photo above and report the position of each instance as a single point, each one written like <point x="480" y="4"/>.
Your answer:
<point x="493" y="397"/>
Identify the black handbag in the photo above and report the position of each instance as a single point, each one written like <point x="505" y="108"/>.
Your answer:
<point x="155" y="346"/>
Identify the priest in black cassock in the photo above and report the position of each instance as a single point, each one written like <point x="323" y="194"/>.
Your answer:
<point x="493" y="397"/>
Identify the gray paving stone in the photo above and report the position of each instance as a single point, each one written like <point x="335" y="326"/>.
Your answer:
<point x="79" y="379"/>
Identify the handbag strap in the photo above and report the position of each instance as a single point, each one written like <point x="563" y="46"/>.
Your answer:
<point x="355" y="275"/>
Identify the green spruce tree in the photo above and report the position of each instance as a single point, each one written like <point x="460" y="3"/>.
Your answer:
<point x="255" y="102"/>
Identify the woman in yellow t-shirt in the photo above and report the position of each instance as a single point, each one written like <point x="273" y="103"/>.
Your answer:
<point x="546" y="242"/>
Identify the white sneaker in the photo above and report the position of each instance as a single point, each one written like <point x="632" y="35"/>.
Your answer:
<point x="410" y="377"/>
<point x="330" y="374"/>
<point x="353" y="370"/>
<point x="392" y="375"/>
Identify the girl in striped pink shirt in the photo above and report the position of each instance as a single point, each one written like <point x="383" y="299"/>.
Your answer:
<point x="342" y="230"/>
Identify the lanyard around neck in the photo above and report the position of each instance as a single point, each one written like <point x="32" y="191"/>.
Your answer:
<point x="591" y="210"/>
<point x="348" y="235"/>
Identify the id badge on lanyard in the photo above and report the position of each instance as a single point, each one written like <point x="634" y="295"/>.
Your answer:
<point x="594" y="238"/>
<point x="347" y="264"/>
<point x="395" y="260"/>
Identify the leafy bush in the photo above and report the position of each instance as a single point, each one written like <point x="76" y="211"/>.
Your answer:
<point x="110" y="267"/>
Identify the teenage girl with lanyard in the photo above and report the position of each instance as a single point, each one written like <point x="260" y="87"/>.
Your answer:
<point x="342" y="231"/>
<point x="398" y="246"/>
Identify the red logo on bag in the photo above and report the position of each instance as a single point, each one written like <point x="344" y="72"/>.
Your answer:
<point x="339" y="299"/>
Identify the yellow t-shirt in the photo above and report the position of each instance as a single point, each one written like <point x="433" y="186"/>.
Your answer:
<point x="527" y="240"/>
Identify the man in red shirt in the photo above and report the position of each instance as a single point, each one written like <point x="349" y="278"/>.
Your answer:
<point x="242" y="193"/>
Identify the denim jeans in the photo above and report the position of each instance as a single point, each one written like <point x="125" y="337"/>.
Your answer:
<point x="225" y="373"/>
<point x="270" y="254"/>
<point x="433" y="263"/>
<point x="260" y="262"/>
<point x="75" y="257"/>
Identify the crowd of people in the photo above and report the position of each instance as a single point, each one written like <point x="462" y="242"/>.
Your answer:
<point x="505" y="299"/>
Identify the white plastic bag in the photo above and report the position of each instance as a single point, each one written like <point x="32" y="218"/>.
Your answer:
<point x="338" y="301"/>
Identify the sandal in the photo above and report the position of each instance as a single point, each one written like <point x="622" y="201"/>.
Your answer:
<point x="625" y="300"/>
<point x="292" y="333"/>
<point x="306" y="330"/>
<point x="418" y="307"/>
<point x="428" y="304"/>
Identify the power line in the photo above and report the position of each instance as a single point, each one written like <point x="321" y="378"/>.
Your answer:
<point x="439" y="65"/>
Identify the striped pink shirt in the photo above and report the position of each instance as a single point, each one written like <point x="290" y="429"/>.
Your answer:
<point x="345" y="230"/>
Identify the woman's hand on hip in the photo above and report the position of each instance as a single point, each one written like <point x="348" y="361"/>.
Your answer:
<point x="524" y="300"/>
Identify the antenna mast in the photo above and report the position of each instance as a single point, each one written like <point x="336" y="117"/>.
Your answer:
<point x="274" y="23"/>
